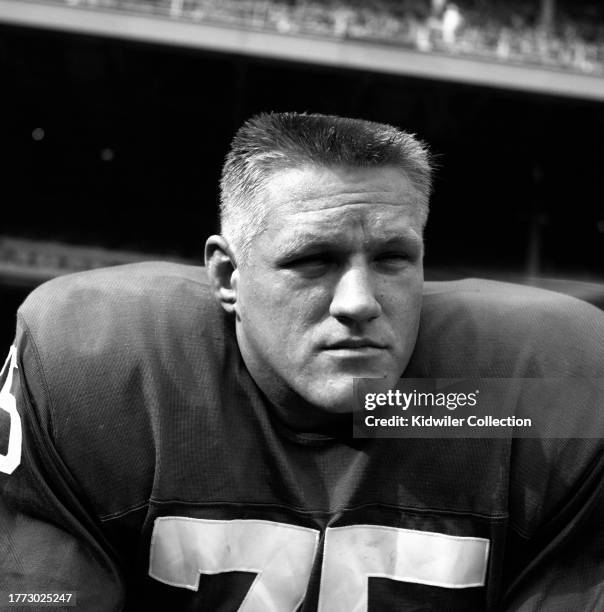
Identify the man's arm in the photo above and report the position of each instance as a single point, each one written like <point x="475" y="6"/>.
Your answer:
<point x="49" y="540"/>
<point x="560" y="566"/>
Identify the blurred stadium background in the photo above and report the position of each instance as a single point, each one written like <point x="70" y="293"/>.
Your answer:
<point x="116" y="115"/>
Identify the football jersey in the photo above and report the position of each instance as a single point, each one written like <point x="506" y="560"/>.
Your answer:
<point x="142" y="468"/>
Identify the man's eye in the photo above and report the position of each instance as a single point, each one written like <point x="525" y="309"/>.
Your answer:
<point x="315" y="260"/>
<point x="394" y="257"/>
<point x="393" y="260"/>
<point x="313" y="264"/>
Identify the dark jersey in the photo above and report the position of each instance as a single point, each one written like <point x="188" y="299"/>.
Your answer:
<point x="142" y="468"/>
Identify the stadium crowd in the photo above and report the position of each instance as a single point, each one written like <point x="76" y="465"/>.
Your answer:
<point x="543" y="33"/>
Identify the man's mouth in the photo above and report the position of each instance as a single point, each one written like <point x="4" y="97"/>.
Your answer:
<point x="355" y="347"/>
<point x="355" y="343"/>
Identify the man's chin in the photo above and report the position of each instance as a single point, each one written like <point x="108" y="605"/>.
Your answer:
<point x="341" y="368"/>
<point x="335" y="395"/>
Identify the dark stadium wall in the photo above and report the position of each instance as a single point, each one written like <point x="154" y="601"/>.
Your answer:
<point x="120" y="144"/>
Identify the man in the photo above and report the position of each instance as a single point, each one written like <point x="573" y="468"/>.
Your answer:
<point x="177" y="442"/>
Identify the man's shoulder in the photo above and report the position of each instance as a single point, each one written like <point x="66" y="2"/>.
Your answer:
<point x="104" y="307"/>
<point x="491" y="297"/>
<point x="106" y="355"/>
<point x="501" y="329"/>
<point x="130" y="290"/>
<point x="504" y="308"/>
<point x="487" y="329"/>
<point x="113" y="320"/>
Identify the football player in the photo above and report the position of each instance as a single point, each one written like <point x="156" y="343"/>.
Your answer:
<point x="180" y="438"/>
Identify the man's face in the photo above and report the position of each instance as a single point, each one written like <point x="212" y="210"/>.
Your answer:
<point x="331" y="290"/>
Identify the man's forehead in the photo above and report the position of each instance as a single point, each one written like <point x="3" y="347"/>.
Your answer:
<point x="319" y="188"/>
<point x="332" y="207"/>
<point x="356" y="223"/>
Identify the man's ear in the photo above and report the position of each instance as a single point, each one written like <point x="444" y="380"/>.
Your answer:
<point x="222" y="271"/>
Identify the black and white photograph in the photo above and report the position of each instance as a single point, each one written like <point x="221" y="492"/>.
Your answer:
<point x="302" y="305"/>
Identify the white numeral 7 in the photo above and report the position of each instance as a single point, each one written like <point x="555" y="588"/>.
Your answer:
<point x="282" y="556"/>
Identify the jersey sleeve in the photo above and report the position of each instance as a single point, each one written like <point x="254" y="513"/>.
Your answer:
<point x="49" y="539"/>
<point x="554" y="551"/>
<point x="560" y="566"/>
<point x="555" y="559"/>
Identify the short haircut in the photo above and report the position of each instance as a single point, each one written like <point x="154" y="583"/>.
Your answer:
<point x="270" y="142"/>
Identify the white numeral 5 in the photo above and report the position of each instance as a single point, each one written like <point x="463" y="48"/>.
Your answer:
<point x="282" y="557"/>
<point x="8" y="403"/>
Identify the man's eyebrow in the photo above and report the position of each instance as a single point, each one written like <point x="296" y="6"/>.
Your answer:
<point x="405" y="235"/>
<point x="307" y="240"/>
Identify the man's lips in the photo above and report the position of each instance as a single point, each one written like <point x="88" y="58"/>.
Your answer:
<point x="354" y="344"/>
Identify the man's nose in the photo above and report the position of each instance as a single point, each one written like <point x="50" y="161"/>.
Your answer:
<point x="354" y="297"/>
